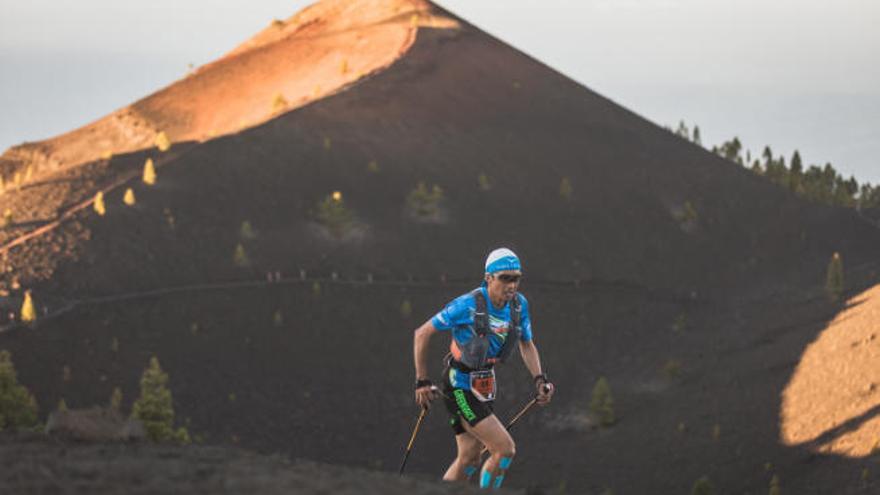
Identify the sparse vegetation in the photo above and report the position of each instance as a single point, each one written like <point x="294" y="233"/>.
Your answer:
<point x="680" y="323"/>
<point x="18" y="408"/>
<point x="277" y="23"/>
<point x="565" y="189"/>
<point x="66" y="374"/>
<point x="328" y="143"/>
<point x="98" y="204"/>
<point x="343" y="66"/>
<point x="702" y="487"/>
<point x="316" y="288"/>
<point x="114" y="345"/>
<point x="240" y="257"/>
<point x="149" y="176"/>
<point x="278" y="318"/>
<point x="128" y="199"/>
<point x="406" y="308"/>
<point x="483" y="182"/>
<point x="334" y="215"/>
<point x="672" y="369"/>
<point x="775" y="489"/>
<point x="834" y="278"/>
<point x="424" y="201"/>
<point x="7" y="218"/>
<point x="62" y="405"/>
<point x="279" y="103"/>
<point x="154" y="406"/>
<point x="246" y="231"/>
<point x="716" y="432"/>
<point x="116" y="399"/>
<point x="28" y="311"/>
<point x="162" y="142"/>
<point x="373" y="167"/>
<point x="602" y="403"/>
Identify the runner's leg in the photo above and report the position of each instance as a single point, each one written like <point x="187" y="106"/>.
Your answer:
<point x="465" y="463"/>
<point x="495" y="437"/>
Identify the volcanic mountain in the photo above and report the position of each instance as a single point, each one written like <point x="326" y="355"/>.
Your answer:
<point x="332" y="182"/>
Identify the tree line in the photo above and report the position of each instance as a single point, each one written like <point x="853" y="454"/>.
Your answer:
<point x="821" y="184"/>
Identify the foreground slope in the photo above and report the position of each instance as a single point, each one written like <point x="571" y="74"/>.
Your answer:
<point x="691" y="284"/>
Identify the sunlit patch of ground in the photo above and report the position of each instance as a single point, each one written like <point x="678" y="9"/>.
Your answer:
<point x="832" y="403"/>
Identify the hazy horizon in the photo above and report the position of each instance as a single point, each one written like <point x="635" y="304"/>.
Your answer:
<point x="790" y="75"/>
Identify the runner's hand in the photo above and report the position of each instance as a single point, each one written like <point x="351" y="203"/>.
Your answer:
<point x="425" y="394"/>
<point x="544" y="391"/>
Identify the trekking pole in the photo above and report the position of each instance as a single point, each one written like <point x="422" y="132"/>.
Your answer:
<point x="521" y="413"/>
<point x="415" y="432"/>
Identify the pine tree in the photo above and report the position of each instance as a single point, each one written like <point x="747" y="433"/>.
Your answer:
<point x="18" y="408"/>
<point x="697" y="139"/>
<point x="149" y="172"/>
<point x="99" y="204"/>
<point x="602" y="403"/>
<point x="162" y="141"/>
<point x="246" y="231"/>
<point x="834" y="278"/>
<point x="154" y="406"/>
<point x="28" y="312"/>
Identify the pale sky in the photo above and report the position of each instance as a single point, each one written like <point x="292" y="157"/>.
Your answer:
<point x="792" y="74"/>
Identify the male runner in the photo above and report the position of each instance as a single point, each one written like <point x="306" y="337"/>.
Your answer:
<point x="485" y="324"/>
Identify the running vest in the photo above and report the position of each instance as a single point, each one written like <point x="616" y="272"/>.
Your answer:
<point x="474" y="354"/>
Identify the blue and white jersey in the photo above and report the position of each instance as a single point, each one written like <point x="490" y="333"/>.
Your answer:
<point x="458" y="317"/>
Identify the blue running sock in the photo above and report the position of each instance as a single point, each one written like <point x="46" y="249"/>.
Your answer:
<point x="485" y="479"/>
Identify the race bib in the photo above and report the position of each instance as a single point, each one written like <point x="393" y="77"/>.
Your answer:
<point x="483" y="385"/>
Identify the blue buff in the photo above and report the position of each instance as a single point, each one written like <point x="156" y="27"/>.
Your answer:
<point x="485" y="479"/>
<point x="470" y="471"/>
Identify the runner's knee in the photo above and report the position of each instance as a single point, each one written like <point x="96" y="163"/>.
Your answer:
<point x="507" y="449"/>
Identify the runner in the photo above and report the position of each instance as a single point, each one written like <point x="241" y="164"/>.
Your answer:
<point x="485" y="324"/>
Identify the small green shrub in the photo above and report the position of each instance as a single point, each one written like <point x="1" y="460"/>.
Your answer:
<point x="672" y="369"/>
<point x="18" y="408"/>
<point x="775" y="489"/>
<point x="154" y="407"/>
<point x="246" y="231"/>
<point x="483" y="182"/>
<point x="406" y="308"/>
<point x="602" y="403"/>
<point x="424" y="201"/>
<point x="62" y="405"/>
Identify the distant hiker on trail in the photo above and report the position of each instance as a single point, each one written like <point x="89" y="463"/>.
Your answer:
<point x="485" y="325"/>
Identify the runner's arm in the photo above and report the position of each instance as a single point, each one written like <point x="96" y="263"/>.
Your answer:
<point x="421" y="338"/>
<point x="530" y="357"/>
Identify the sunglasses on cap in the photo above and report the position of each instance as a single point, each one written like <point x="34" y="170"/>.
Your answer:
<point x="508" y="278"/>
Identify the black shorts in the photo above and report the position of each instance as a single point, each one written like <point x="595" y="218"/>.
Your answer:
<point x="462" y="405"/>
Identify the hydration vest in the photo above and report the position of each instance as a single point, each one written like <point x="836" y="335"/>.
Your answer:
<point x="474" y="354"/>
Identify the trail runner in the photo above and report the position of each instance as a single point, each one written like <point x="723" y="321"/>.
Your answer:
<point x="485" y="325"/>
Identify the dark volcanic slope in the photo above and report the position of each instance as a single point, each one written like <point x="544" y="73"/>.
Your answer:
<point x="609" y="271"/>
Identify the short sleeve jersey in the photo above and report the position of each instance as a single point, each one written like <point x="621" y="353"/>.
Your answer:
<point x="458" y="318"/>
